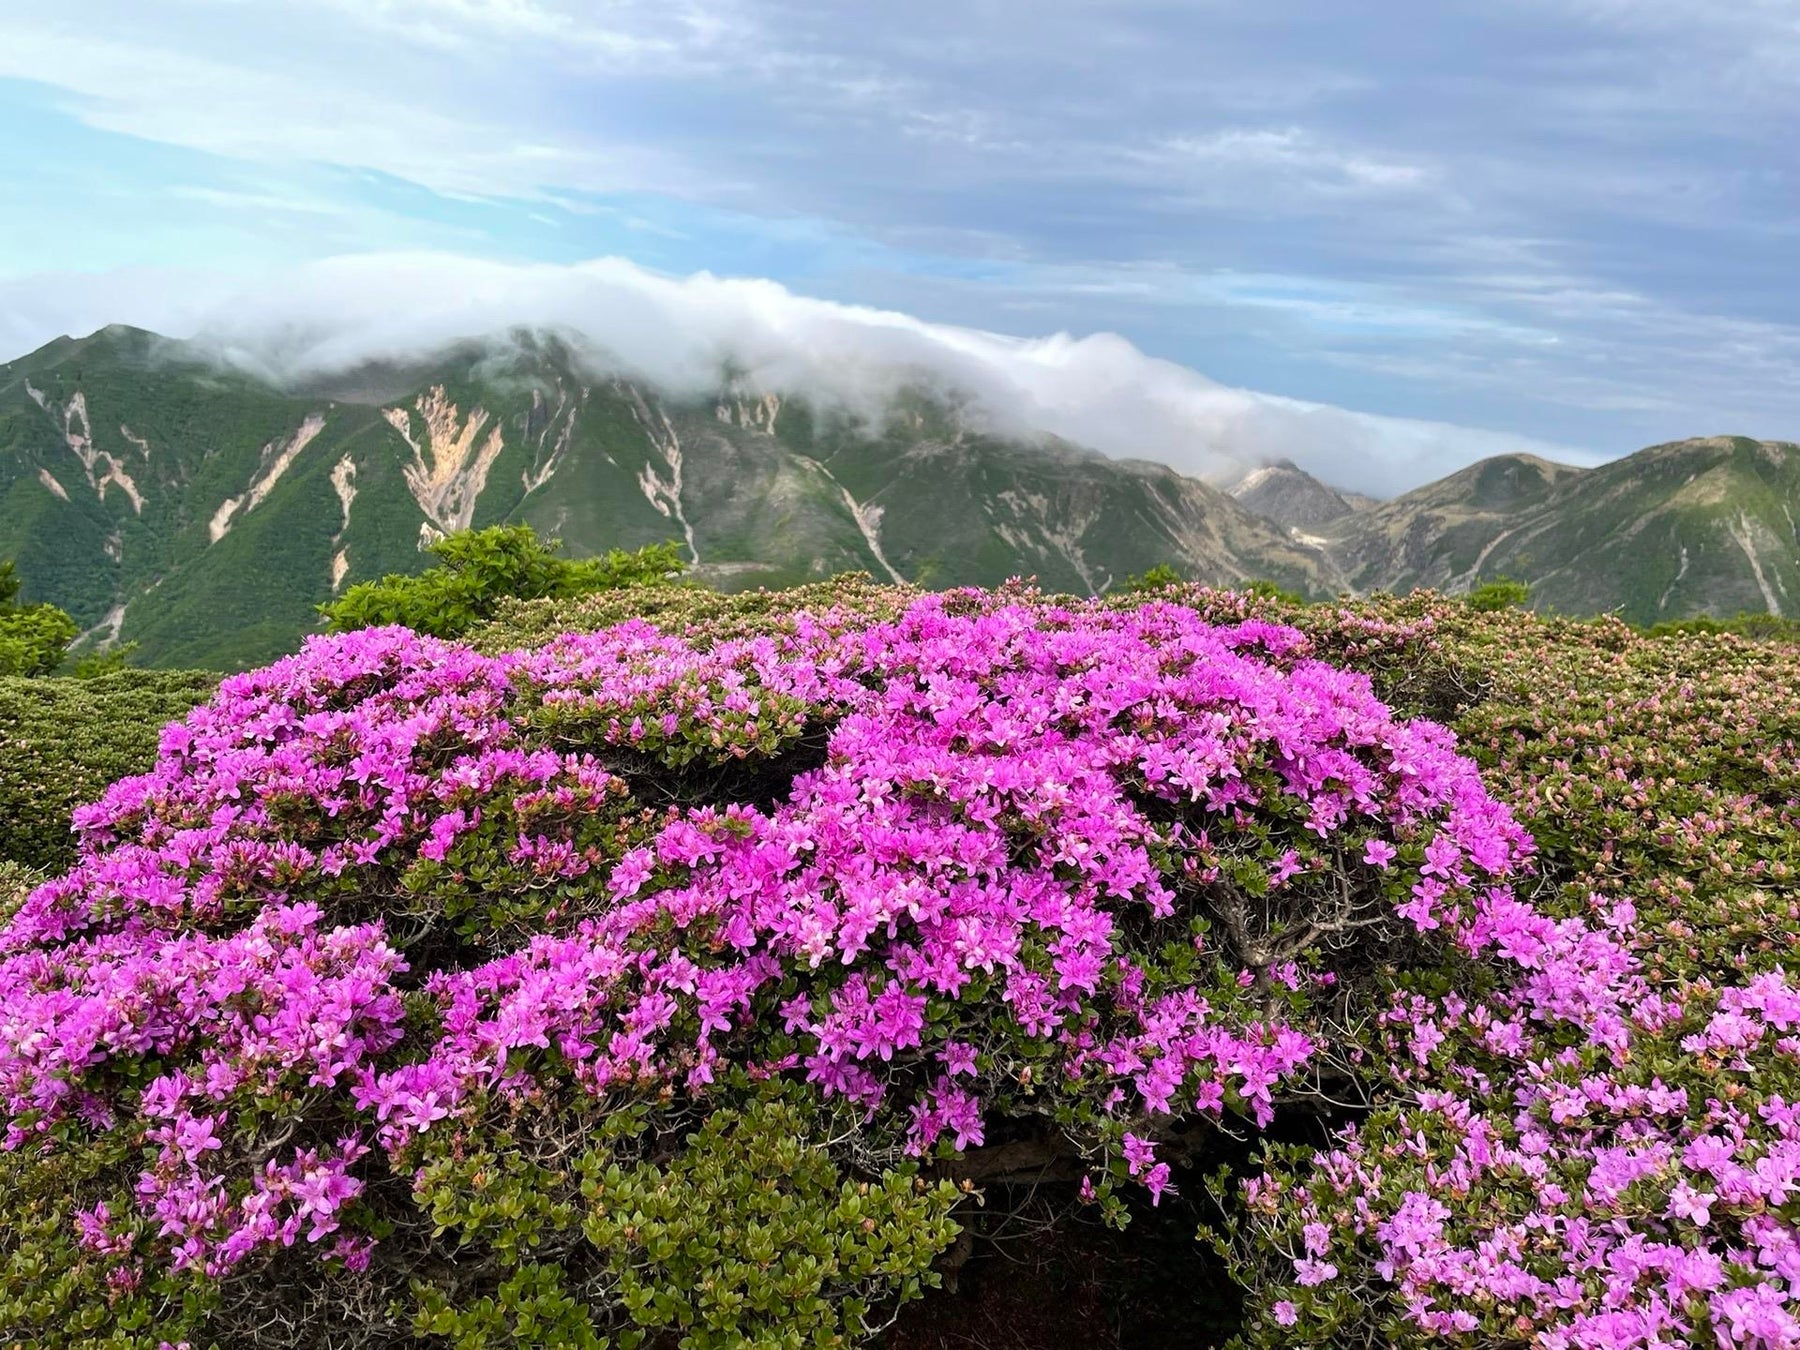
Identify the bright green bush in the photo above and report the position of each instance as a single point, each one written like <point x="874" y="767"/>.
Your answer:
<point x="62" y="741"/>
<point x="93" y="664"/>
<point x="692" y="612"/>
<point x="1501" y="593"/>
<point x="480" y="569"/>
<point x="1151" y="579"/>
<point x="746" y="1234"/>
<point x="33" y="638"/>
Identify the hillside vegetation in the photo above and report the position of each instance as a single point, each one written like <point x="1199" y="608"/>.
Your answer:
<point x="205" y="513"/>
<point x="1705" y="526"/>
<point x="659" y="967"/>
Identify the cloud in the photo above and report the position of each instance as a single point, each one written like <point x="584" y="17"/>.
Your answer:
<point x="1571" y="218"/>
<point x="1280" y="155"/>
<point x="681" y="332"/>
<point x="346" y="107"/>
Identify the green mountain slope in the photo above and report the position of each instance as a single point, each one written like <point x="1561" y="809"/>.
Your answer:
<point x="203" y="512"/>
<point x="1691" y="527"/>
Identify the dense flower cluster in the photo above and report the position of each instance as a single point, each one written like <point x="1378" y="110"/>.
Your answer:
<point x="1605" y="1152"/>
<point x="1019" y="860"/>
<point x="393" y="921"/>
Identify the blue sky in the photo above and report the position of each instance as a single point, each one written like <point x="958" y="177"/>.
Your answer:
<point x="1572" y="221"/>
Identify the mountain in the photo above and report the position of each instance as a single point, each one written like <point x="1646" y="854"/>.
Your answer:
<point x="1293" y="498"/>
<point x="203" y="511"/>
<point x="1690" y="527"/>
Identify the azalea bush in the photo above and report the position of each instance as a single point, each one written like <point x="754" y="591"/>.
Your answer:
<point x="660" y="968"/>
<point x="1603" y="1152"/>
<point x="422" y="995"/>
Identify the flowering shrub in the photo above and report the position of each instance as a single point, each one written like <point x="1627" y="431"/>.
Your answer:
<point x="418" y="993"/>
<point x="1604" y="1153"/>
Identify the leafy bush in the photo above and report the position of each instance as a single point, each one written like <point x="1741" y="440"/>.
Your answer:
<point x="62" y="741"/>
<point x="752" y="1235"/>
<point x="481" y="568"/>
<point x="1501" y="593"/>
<point x="1151" y="579"/>
<point x="91" y="665"/>
<point x="697" y="615"/>
<point x="415" y="979"/>
<point x="33" y="638"/>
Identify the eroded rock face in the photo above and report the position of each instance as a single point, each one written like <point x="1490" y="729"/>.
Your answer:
<point x="101" y="468"/>
<point x="277" y="458"/>
<point x="549" y="431"/>
<point x="744" y="411"/>
<point x="343" y="482"/>
<point x="451" y="460"/>
<point x="663" y="491"/>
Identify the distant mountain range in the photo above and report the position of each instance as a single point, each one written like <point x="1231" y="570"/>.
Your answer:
<point x="204" y="512"/>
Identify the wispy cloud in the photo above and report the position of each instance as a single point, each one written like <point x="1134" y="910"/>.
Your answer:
<point x="681" y="332"/>
<point x="1570" y="219"/>
<point x="1287" y="155"/>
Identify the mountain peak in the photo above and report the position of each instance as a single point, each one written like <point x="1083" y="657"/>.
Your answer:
<point x="1706" y="525"/>
<point x="203" y="511"/>
<point x="1283" y="492"/>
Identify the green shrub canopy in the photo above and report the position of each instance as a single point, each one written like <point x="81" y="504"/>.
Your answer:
<point x="33" y="638"/>
<point x="63" y="741"/>
<point x="482" y="568"/>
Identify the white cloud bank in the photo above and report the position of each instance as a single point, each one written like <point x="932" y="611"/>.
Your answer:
<point x="679" y="332"/>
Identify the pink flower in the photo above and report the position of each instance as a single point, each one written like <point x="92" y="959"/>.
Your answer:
<point x="1379" y="853"/>
<point x="1693" y="1205"/>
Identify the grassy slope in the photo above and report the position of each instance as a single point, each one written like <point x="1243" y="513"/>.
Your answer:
<point x="1666" y="533"/>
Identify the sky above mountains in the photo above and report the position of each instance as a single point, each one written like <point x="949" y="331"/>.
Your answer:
<point x="1566" y="221"/>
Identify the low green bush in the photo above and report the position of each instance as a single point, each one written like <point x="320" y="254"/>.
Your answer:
<point x="691" y="612"/>
<point x="33" y="638"/>
<point x="1501" y="593"/>
<point x="1755" y="627"/>
<point x="482" y="568"/>
<point x="745" y="1232"/>
<point x="1152" y="579"/>
<point x="62" y="741"/>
